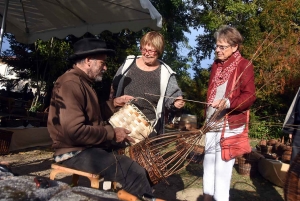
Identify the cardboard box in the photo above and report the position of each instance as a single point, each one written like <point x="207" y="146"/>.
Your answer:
<point x="273" y="170"/>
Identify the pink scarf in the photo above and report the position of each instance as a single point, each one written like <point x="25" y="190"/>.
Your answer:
<point x="223" y="73"/>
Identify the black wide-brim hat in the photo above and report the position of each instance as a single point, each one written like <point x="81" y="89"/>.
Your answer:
<point x="90" y="46"/>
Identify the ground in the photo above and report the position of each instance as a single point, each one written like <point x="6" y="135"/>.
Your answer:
<point x="37" y="162"/>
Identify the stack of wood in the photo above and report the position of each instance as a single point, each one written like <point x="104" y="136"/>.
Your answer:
<point x="275" y="149"/>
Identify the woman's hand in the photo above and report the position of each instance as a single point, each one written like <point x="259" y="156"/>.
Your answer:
<point x="221" y="103"/>
<point x="179" y="103"/>
<point x="120" y="101"/>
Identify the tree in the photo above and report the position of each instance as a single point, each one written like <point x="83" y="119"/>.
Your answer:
<point x="211" y="14"/>
<point x="44" y="61"/>
<point x="41" y="62"/>
<point x="271" y="41"/>
<point x="275" y="35"/>
<point x="269" y="27"/>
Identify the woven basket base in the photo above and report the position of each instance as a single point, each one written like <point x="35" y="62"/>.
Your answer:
<point x="292" y="183"/>
<point x="130" y="118"/>
<point x="247" y="167"/>
<point x="5" y="139"/>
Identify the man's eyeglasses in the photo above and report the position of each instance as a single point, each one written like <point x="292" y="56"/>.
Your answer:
<point x="222" y="47"/>
<point x="143" y="50"/>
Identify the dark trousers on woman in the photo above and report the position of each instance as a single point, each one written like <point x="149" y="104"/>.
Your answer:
<point x="119" y="168"/>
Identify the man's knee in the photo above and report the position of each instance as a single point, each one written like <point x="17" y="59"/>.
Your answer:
<point x="139" y="169"/>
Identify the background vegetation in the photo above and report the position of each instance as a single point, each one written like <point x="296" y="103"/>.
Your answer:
<point x="271" y="29"/>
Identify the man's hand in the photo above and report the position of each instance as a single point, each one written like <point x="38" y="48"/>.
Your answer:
<point x="120" y="101"/>
<point x="121" y="134"/>
<point x="179" y="103"/>
<point x="221" y="103"/>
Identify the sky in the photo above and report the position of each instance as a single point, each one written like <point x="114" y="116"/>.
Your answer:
<point x="5" y="44"/>
<point x="192" y="37"/>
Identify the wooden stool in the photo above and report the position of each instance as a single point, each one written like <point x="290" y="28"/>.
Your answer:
<point x="58" y="168"/>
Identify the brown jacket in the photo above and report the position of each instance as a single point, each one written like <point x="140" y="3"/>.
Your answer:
<point x="74" y="120"/>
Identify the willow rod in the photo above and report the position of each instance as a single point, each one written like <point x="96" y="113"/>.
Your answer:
<point x="178" y="99"/>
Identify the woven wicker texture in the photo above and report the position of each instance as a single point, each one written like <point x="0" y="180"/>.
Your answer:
<point x="197" y="154"/>
<point x="165" y="154"/>
<point x="292" y="182"/>
<point x="5" y="139"/>
<point x="247" y="165"/>
<point x="131" y="118"/>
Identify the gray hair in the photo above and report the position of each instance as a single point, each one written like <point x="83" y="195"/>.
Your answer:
<point x="229" y="34"/>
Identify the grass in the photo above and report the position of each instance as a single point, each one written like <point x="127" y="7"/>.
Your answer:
<point x="243" y="187"/>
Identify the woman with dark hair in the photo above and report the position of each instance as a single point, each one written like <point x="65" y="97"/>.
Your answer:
<point x="231" y="92"/>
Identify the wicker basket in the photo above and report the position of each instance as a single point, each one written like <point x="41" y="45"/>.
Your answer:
<point x="131" y="118"/>
<point x="247" y="165"/>
<point x="286" y="156"/>
<point x="5" y="139"/>
<point x="236" y="162"/>
<point x="292" y="182"/>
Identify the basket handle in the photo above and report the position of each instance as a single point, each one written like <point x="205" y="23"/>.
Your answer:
<point x="135" y="98"/>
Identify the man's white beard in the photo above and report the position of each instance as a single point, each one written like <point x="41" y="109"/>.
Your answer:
<point x="98" y="78"/>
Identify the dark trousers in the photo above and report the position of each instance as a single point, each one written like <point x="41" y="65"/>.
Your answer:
<point x="295" y="145"/>
<point x="119" y="168"/>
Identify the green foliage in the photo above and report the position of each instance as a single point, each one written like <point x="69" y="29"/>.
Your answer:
<point x="274" y="35"/>
<point x="270" y="28"/>
<point x="36" y="107"/>
<point x="175" y="24"/>
<point x="260" y="130"/>
<point x="210" y="15"/>
<point x="196" y="89"/>
<point x="42" y="61"/>
<point x="265" y="121"/>
<point x="271" y="41"/>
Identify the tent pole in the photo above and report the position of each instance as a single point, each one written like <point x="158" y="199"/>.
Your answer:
<point x="3" y="23"/>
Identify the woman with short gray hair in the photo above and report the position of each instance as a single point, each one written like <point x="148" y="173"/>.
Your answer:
<point x="231" y="92"/>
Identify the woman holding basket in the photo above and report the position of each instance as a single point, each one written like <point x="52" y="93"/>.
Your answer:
<point x="151" y="79"/>
<point x="231" y="92"/>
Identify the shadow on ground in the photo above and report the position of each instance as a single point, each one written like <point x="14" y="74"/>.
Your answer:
<point x="32" y="167"/>
<point x="168" y="191"/>
<point x="258" y="189"/>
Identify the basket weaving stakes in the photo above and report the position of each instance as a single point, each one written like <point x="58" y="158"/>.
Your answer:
<point x="165" y="154"/>
<point x="162" y="155"/>
<point x="168" y="154"/>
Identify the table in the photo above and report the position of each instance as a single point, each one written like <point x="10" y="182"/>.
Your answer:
<point x="24" y="137"/>
<point x="273" y="170"/>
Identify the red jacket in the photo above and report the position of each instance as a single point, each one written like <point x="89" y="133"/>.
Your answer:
<point x="243" y="95"/>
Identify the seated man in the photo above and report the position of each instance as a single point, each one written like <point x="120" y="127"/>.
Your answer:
<point x="76" y="126"/>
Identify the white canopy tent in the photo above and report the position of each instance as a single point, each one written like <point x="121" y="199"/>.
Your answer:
<point x="30" y="20"/>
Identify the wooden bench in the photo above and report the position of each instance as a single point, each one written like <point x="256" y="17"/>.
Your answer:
<point x="58" y="168"/>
